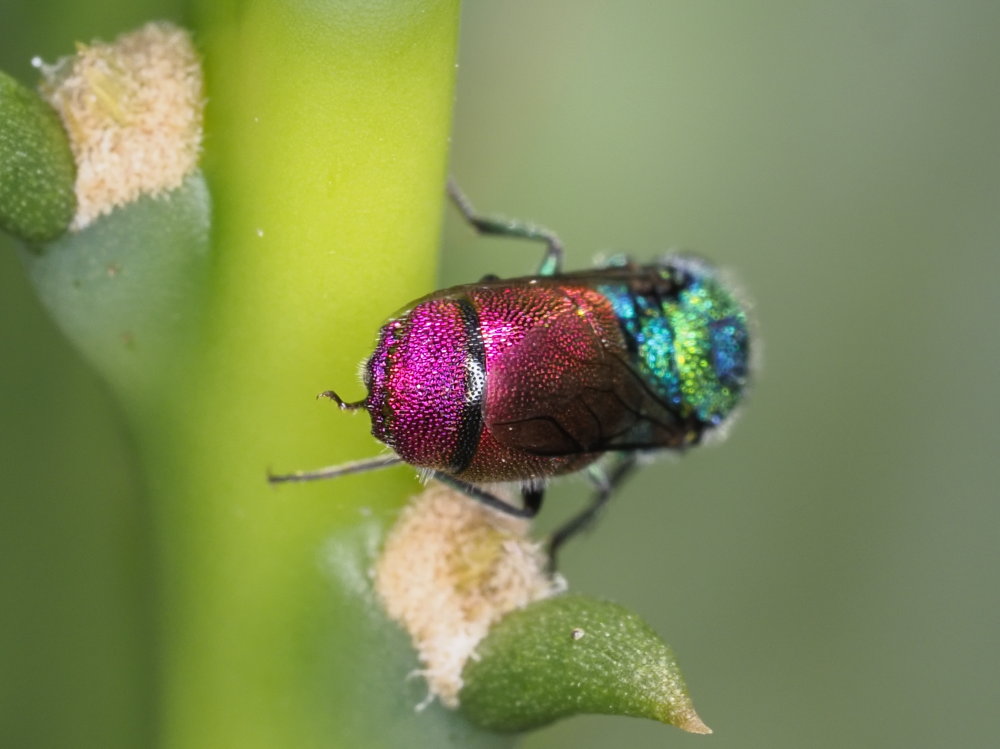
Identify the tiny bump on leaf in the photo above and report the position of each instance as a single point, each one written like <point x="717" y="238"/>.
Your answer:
<point x="571" y="655"/>
<point x="37" y="171"/>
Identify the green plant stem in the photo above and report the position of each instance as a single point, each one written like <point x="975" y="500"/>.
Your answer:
<point x="326" y="144"/>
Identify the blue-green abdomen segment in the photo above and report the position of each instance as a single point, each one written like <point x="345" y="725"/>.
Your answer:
<point x="687" y="335"/>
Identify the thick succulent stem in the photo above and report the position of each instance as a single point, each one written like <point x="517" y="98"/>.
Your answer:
<point x="325" y="153"/>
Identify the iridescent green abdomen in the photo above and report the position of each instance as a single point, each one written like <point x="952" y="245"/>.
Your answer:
<point x="687" y="335"/>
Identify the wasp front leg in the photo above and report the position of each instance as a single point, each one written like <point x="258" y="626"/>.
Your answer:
<point x="552" y="260"/>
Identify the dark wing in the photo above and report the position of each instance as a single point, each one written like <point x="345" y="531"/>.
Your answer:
<point x="568" y="388"/>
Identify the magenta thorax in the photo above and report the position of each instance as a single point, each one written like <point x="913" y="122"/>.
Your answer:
<point x="472" y="381"/>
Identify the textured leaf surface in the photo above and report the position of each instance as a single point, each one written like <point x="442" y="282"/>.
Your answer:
<point x="569" y="655"/>
<point x="36" y="166"/>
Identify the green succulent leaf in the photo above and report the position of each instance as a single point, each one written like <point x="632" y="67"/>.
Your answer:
<point x="36" y="166"/>
<point x="569" y="655"/>
<point x="126" y="289"/>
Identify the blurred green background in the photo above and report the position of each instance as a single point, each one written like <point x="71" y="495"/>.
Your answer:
<point x="828" y="576"/>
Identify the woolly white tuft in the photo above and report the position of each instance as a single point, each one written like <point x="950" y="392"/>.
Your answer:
<point x="133" y="113"/>
<point x="450" y="569"/>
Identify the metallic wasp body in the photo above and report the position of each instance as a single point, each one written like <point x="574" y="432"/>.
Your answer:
<point x="521" y="379"/>
<point x="529" y="378"/>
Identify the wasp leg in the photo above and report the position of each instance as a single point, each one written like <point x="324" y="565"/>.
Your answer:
<point x="331" y="472"/>
<point x="551" y="262"/>
<point x="607" y="480"/>
<point x="490" y="500"/>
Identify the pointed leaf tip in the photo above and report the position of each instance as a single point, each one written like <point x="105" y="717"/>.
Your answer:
<point x="569" y="655"/>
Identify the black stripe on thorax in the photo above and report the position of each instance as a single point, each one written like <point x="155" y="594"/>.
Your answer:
<point x="470" y="427"/>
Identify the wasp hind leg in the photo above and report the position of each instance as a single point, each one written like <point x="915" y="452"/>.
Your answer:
<point x="606" y="479"/>
<point x="551" y="261"/>
<point x="532" y="498"/>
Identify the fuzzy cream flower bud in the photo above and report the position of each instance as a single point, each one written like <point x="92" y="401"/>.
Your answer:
<point x="450" y="569"/>
<point x="133" y="112"/>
